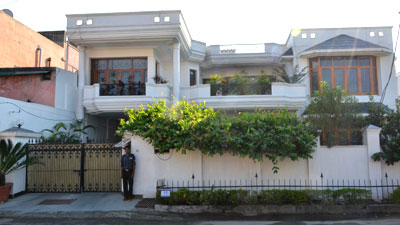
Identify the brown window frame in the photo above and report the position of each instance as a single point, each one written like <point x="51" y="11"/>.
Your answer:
<point x="372" y="67"/>
<point x="106" y="71"/>
<point x="195" y="79"/>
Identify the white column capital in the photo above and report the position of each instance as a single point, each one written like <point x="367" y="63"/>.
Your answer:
<point x="176" y="45"/>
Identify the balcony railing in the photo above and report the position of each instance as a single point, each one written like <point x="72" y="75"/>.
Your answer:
<point x="240" y="89"/>
<point x="122" y="89"/>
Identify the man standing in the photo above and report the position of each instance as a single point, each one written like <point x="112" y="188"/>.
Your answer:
<point x="128" y="166"/>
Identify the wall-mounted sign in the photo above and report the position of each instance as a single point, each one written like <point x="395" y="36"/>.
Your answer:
<point x="165" y="193"/>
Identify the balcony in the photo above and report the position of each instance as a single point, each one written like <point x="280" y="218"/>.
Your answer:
<point x="240" y="89"/>
<point x="248" y="97"/>
<point x="112" y="98"/>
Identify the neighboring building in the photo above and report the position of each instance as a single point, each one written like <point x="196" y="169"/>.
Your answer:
<point x="38" y="80"/>
<point x="124" y="56"/>
<point x="20" y="46"/>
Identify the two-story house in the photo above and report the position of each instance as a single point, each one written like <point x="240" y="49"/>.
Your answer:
<point x="134" y="58"/>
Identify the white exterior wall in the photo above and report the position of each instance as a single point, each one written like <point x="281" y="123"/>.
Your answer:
<point x="186" y="66"/>
<point x="30" y="122"/>
<point x="300" y="44"/>
<point x="340" y="163"/>
<point x="66" y="90"/>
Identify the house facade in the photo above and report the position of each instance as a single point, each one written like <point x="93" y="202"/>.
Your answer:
<point x="134" y="58"/>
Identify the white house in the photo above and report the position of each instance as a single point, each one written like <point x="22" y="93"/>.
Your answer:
<point x="124" y="56"/>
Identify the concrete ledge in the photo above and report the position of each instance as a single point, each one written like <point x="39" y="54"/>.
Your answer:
<point x="253" y="210"/>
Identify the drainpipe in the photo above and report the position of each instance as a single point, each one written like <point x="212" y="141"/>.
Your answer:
<point x="39" y="60"/>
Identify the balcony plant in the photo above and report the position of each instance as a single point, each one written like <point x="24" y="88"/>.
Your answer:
<point x="238" y="84"/>
<point x="264" y="82"/>
<point x="159" y="80"/>
<point x="12" y="158"/>
<point x="296" y="78"/>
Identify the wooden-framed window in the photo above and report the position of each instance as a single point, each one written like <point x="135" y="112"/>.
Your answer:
<point x="115" y="70"/>
<point x="356" y="74"/>
<point x="192" y="77"/>
<point x="120" y="76"/>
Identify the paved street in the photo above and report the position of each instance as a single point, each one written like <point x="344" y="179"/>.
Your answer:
<point x="178" y="221"/>
<point x="108" y="208"/>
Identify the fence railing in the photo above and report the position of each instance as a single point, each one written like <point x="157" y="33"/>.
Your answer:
<point x="380" y="189"/>
<point x="122" y="89"/>
<point x="240" y="89"/>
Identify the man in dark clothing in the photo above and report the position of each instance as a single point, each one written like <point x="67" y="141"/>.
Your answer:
<point x="128" y="166"/>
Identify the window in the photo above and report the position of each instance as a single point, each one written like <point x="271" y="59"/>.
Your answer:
<point x="356" y="74"/>
<point x="304" y="35"/>
<point x="192" y="77"/>
<point x="120" y="76"/>
<point x="312" y="35"/>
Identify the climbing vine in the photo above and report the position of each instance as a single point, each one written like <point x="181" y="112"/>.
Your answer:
<point x="189" y="126"/>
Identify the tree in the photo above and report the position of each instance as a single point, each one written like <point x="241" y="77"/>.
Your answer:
<point x="66" y="133"/>
<point x="11" y="158"/>
<point x="390" y="137"/>
<point x="297" y="76"/>
<point x="332" y="109"/>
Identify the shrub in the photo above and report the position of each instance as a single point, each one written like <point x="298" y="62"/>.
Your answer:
<point x="188" y="127"/>
<point x="395" y="196"/>
<point x="268" y="197"/>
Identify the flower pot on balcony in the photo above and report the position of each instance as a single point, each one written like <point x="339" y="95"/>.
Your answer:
<point x="5" y="191"/>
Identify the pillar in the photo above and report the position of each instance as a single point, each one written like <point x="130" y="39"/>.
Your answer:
<point x="151" y="69"/>
<point x="81" y="82"/>
<point x="176" y="68"/>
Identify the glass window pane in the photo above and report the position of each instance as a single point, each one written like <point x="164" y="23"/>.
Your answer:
<point x="339" y="78"/>
<point x="373" y="61"/>
<point x="365" y="81"/>
<point x="101" y="78"/>
<point x="112" y="77"/>
<point x="375" y="77"/>
<point x="352" y="81"/>
<point x="325" y="61"/>
<point x="363" y="60"/>
<point x="351" y="61"/>
<point x="314" y="80"/>
<point x="192" y="77"/>
<point x="120" y="64"/>
<point x="140" y="63"/>
<point x="326" y="76"/>
<point x="100" y="64"/>
<point x="338" y="61"/>
<point x="314" y="62"/>
<point x="137" y="77"/>
<point x="125" y="77"/>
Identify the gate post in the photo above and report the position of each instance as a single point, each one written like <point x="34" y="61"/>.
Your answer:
<point x="82" y="172"/>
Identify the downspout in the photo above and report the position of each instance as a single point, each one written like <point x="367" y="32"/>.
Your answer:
<point x="39" y="60"/>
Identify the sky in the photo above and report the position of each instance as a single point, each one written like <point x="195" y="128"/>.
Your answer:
<point x="222" y="21"/>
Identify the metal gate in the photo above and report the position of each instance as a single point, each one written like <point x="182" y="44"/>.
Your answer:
<point x="74" y="168"/>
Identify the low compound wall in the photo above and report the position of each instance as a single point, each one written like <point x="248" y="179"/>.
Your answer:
<point x="339" y="164"/>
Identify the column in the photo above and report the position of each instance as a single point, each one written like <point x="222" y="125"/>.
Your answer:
<point x="81" y="82"/>
<point x="371" y="140"/>
<point x="151" y="69"/>
<point x="176" y="68"/>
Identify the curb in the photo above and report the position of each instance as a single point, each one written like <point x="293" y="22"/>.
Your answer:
<point x="256" y="210"/>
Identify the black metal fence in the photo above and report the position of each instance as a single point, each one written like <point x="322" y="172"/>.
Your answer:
<point x="240" y="89"/>
<point x="380" y="189"/>
<point x="122" y="89"/>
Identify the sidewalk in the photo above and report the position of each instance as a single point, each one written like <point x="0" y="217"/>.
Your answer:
<point x="85" y="202"/>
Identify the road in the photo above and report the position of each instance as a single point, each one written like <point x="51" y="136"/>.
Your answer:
<point x="200" y="220"/>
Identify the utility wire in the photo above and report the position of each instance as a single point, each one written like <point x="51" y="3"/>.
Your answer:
<point x="391" y="68"/>
<point x="27" y="112"/>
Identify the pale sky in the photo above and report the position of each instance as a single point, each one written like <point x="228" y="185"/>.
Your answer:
<point x="224" y="21"/>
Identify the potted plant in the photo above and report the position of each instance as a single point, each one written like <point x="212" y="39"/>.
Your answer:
<point x="11" y="159"/>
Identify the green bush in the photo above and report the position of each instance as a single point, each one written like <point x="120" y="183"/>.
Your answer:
<point x="267" y="197"/>
<point x="395" y="196"/>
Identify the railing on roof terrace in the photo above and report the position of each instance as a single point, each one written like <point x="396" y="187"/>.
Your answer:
<point x="240" y="89"/>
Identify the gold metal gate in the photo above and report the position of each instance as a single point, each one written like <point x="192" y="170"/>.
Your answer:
<point x="74" y="168"/>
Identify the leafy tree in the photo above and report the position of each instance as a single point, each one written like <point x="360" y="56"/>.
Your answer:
<point x="297" y="76"/>
<point x="66" y="133"/>
<point x="390" y="137"/>
<point x="11" y="158"/>
<point x="188" y="127"/>
<point x="331" y="109"/>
